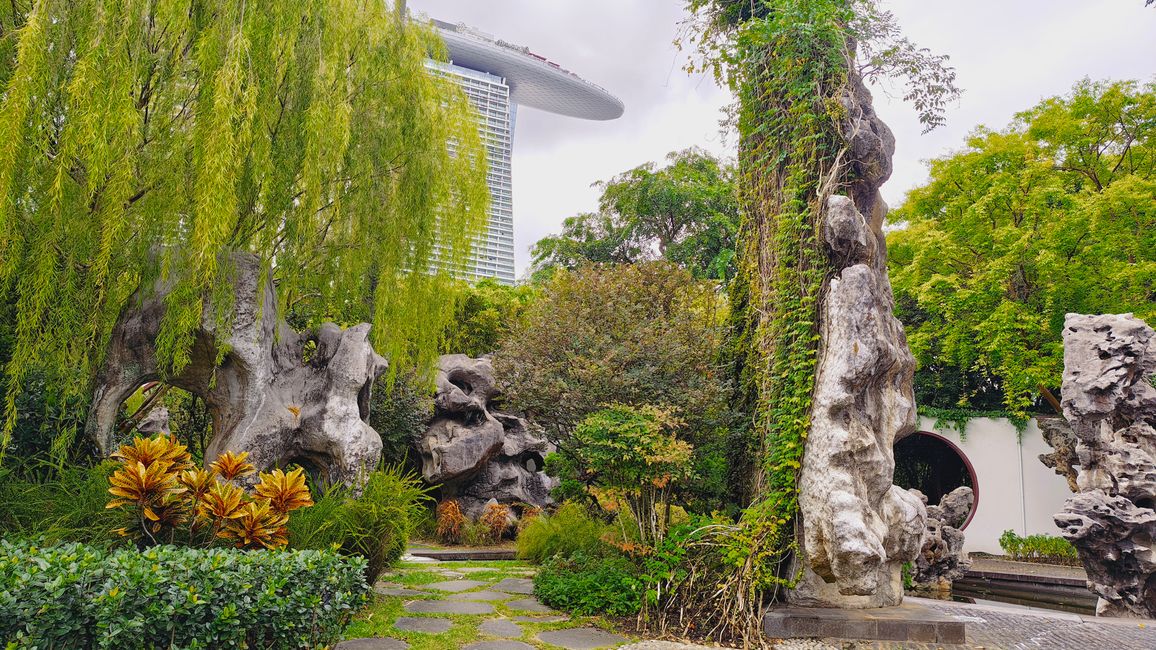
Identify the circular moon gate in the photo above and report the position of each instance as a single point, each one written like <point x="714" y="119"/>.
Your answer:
<point x="935" y="466"/>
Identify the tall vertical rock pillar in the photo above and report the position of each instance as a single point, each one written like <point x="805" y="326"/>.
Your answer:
<point x="858" y="528"/>
<point x="1109" y="398"/>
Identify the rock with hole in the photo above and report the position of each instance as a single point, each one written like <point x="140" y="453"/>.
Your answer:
<point x="1109" y="399"/>
<point x="282" y="396"/>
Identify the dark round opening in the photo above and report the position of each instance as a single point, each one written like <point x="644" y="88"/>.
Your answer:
<point x="934" y="466"/>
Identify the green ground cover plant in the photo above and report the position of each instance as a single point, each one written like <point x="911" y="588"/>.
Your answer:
<point x="1045" y="549"/>
<point x="607" y="584"/>
<point x="78" y="596"/>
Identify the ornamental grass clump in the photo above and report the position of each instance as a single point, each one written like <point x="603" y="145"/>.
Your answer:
<point x="170" y="500"/>
<point x="450" y="521"/>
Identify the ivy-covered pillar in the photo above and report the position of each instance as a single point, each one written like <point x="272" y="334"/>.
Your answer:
<point x="822" y="363"/>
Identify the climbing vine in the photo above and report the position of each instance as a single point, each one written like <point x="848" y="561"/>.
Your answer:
<point x="788" y="64"/>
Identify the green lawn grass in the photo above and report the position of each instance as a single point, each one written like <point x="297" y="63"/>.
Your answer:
<point x="377" y="618"/>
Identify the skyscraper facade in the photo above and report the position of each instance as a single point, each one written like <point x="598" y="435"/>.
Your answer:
<point x="497" y="77"/>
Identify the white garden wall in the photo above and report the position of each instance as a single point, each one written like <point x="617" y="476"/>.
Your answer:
<point x="1016" y="491"/>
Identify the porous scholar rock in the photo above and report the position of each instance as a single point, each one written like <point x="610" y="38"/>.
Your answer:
<point x="476" y="454"/>
<point x="267" y="397"/>
<point x="858" y="528"/>
<point x="941" y="560"/>
<point x="1063" y="459"/>
<point x="1109" y="398"/>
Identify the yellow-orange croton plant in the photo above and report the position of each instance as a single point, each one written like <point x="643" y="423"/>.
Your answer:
<point x="173" y="501"/>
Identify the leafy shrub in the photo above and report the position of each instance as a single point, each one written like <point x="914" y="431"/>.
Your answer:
<point x="398" y="411"/>
<point x="1038" y="548"/>
<point x="634" y="450"/>
<point x="587" y="585"/>
<point x="76" y="596"/>
<point x="376" y="526"/>
<point x="569" y="530"/>
<point x="450" y="522"/>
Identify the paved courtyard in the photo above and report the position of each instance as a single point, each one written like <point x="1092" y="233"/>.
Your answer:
<point x="490" y="606"/>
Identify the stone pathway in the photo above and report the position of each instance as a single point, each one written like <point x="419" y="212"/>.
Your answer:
<point x="466" y="611"/>
<point x="463" y="608"/>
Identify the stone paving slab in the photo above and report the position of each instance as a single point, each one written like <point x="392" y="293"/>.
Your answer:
<point x="1006" y="627"/>
<point x="423" y="624"/>
<point x="399" y="592"/>
<point x="529" y="605"/>
<point x="375" y="643"/>
<point x="910" y="621"/>
<point x="455" y="586"/>
<point x="499" y="645"/>
<point x="581" y="638"/>
<point x="515" y="586"/>
<point x="480" y="595"/>
<point x="448" y="607"/>
<point x="501" y="627"/>
<point x="557" y="618"/>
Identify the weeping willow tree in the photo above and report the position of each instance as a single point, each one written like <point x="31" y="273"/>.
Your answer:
<point x="790" y="64"/>
<point x="144" y="139"/>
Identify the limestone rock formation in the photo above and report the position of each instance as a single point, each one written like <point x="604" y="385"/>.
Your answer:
<point x="266" y="397"/>
<point x="1063" y="459"/>
<point x="858" y="528"/>
<point x="1109" y="398"/>
<point x="941" y="560"/>
<point x="475" y="453"/>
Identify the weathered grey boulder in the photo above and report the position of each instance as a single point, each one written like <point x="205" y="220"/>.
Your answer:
<point x="1063" y="459"/>
<point x="266" y="397"/>
<point x="476" y="454"/>
<point x="941" y="560"/>
<point x="955" y="506"/>
<point x="858" y="528"/>
<point x="1109" y="398"/>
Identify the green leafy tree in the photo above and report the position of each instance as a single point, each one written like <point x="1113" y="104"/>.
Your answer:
<point x="1054" y="214"/>
<point x="636" y="334"/>
<point x="484" y="313"/>
<point x="146" y="139"/>
<point x="635" y="452"/>
<point x="685" y="212"/>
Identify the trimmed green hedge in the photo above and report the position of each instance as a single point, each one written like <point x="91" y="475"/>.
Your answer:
<point x="77" y="596"/>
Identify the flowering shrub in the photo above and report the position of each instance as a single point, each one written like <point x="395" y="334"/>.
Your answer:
<point x="171" y="500"/>
<point x="77" y="596"/>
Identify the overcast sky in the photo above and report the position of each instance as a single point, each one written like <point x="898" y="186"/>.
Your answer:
<point x="1009" y="54"/>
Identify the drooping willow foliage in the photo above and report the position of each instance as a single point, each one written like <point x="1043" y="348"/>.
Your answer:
<point x="144" y="139"/>
<point x="789" y="63"/>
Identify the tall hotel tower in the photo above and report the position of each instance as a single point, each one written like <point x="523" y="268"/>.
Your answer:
<point x="498" y="77"/>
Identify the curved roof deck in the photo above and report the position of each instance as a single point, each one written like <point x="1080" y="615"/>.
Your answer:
<point x="534" y="81"/>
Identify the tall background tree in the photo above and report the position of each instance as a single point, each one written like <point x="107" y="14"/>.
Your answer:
<point x="1054" y="214"/>
<point x="142" y="140"/>
<point x="645" y="334"/>
<point x="685" y="212"/>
